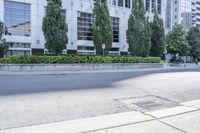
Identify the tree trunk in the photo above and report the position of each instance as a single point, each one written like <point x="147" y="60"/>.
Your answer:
<point x="1" y="53"/>
<point x="175" y="57"/>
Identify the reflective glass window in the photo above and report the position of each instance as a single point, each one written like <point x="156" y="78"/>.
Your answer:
<point x="120" y="3"/>
<point x="17" y="18"/>
<point x="147" y="5"/>
<point x="128" y="3"/>
<point x="85" y="23"/>
<point x="115" y="26"/>
<point x="159" y="6"/>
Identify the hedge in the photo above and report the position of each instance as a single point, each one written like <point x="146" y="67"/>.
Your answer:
<point x="73" y="59"/>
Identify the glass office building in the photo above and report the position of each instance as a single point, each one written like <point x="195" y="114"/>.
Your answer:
<point x="184" y="12"/>
<point x="23" y="24"/>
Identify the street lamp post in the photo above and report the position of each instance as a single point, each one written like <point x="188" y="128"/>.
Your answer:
<point x="103" y="47"/>
<point x="166" y="57"/>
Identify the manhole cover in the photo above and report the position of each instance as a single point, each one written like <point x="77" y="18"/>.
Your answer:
<point x="146" y="103"/>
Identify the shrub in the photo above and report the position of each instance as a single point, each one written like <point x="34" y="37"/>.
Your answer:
<point x="73" y="59"/>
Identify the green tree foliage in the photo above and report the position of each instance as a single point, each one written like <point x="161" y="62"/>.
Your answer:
<point x="102" y="29"/>
<point x="193" y="38"/>
<point x="3" y="45"/>
<point x="177" y="42"/>
<point x="138" y="33"/>
<point x="157" y="37"/>
<point x="55" y="28"/>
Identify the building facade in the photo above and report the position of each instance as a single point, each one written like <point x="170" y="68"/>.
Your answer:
<point x="23" y="24"/>
<point x="178" y="12"/>
<point x="196" y="12"/>
<point x="184" y="12"/>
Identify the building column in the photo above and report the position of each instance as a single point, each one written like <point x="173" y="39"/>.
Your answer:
<point x="1" y="10"/>
<point x="72" y="28"/>
<point x="150" y="8"/>
<point x="37" y="37"/>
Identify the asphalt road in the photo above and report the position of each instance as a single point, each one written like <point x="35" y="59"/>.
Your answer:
<point x="36" y="99"/>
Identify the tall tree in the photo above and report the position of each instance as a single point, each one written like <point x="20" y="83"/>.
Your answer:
<point x="138" y="33"/>
<point x="157" y="37"/>
<point x="55" y="28"/>
<point x="177" y="42"/>
<point x="102" y="29"/>
<point x="193" y="38"/>
<point x="3" y="45"/>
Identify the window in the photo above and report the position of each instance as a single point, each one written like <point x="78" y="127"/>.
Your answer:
<point x="85" y="48"/>
<point x="153" y="4"/>
<point x="114" y="49"/>
<point x="18" y="49"/>
<point x="85" y="26"/>
<point x="120" y="3"/>
<point x="159" y="7"/>
<point x="148" y="5"/>
<point x="63" y="12"/>
<point x="113" y="2"/>
<point x="128" y="3"/>
<point x="115" y="26"/>
<point x="17" y="53"/>
<point x="85" y="23"/>
<point x="169" y="14"/>
<point x="17" y="18"/>
<point x="20" y="45"/>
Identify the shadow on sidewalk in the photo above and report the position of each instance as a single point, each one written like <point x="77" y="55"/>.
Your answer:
<point x="25" y="84"/>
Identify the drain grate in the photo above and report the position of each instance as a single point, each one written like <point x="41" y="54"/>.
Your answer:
<point x="149" y="105"/>
<point x="146" y="103"/>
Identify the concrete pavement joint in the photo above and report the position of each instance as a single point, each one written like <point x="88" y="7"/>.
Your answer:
<point x="122" y="125"/>
<point x="187" y="112"/>
<point x="77" y="132"/>
<point x="172" y="126"/>
<point x="154" y="119"/>
<point x="159" y="120"/>
<point x="117" y="126"/>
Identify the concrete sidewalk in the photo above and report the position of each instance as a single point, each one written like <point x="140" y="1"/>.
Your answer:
<point x="182" y="119"/>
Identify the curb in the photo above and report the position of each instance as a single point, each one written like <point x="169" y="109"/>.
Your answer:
<point x="95" y="71"/>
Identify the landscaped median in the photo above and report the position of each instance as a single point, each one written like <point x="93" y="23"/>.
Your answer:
<point x="76" y="63"/>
